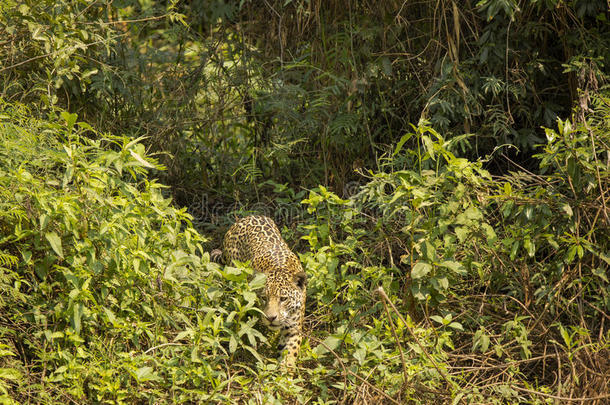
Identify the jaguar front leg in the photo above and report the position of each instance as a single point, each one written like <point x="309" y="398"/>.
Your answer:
<point x="289" y="345"/>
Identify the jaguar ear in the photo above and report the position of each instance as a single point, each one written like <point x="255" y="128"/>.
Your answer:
<point x="300" y="279"/>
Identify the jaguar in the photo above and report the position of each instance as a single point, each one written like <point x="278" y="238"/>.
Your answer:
<point x="258" y="240"/>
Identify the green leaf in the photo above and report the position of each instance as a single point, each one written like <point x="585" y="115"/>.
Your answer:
<point x="110" y="315"/>
<point x="6" y="351"/>
<point x="601" y="273"/>
<point x="400" y="143"/>
<point x="10" y="374"/>
<point x="481" y="341"/>
<point x="331" y="341"/>
<point x="458" y="398"/>
<point x="360" y="355"/>
<point x="397" y="194"/>
<point x="44" y="221"/>
<point x="232" y="344"/>
<point x="57" y="335"/>
<point x="454" y="266"/>
<point x="507" y="207"/>
<point x="573" y="171"/>
<point x="76" y="317"/>
<point x="145" y="373"/>
<point x="195" y="355"/>
<point x="55" y="242"/>
<point x="499" y="350"/>
<point x="462" y="233"/>
<point x="489" y="233"/>
<point x="437" y="318"/>
<point x="27" y="256"/>
<point x="420" y="292"/>
<point x="530" y="247"/>
<point x="514" y="249"/>
<point x="256" y="355"/>
<point x="456" y="326"/>
<point x="429" y="145"/>
<point x="249" y="296"/>
<point x="69" y="118"/>
<point x="234" y="273"/>
<point x="184" y="334"/>
<point x="443" y="282"/>
<point x="529" y="212"/>
<point x="141" y="160"/>
<point x="429" y="251"/>
<point x="258" y="281"/>
<point x="552" y="242"/>
<point x="565" y="335"/>
<point x="420" y="270"/>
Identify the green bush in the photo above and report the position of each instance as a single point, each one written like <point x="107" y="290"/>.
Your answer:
<point x="107" y="294"/>
<point x="434" y="282"/>
<point x="495" y="271"/>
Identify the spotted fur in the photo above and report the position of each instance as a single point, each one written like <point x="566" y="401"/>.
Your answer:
<point x="257" y="239"/>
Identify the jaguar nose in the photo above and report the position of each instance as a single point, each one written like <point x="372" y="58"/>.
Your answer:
<point x="271" y="318"/>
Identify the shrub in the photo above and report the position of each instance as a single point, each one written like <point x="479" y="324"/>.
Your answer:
<point x="107" y="294"/>
<point x="497" y="271"/>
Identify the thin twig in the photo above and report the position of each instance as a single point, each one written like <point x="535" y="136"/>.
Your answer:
<point x="153" y="18"/>
<point x="346" y="371"/>
<point x="279" y="31"/>
<point x="382" y="293"/>
<point x="599" y="180"/>
<point x="163" y="345"/>
<point x="503" y="365"/>
<point x="544" y="394"/>
<point x="51" y="54"/>
<point x="402" y="356"/>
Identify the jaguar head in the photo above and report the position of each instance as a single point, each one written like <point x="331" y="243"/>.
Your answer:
<point x="285" y="296"/>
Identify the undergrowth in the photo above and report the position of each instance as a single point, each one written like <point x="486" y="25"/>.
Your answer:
<point x="462" y="259"/>
<point x="493" y="290"/>
<point x="434" y="283"/>
<point x="107" y="293"/>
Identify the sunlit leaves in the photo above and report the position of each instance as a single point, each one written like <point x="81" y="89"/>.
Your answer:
<point x="55" y="242"/>
<point x="143" y="374"/>
<point x="115" y="265"/>
<point x="420" y="270"/>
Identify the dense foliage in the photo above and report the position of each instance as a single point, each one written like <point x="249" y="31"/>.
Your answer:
<point x="441" y="167"/>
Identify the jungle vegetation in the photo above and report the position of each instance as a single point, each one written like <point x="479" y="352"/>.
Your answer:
<point x="440" y="166"/>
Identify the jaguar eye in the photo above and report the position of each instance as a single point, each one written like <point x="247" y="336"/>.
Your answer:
<point x="283" y="299"/>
